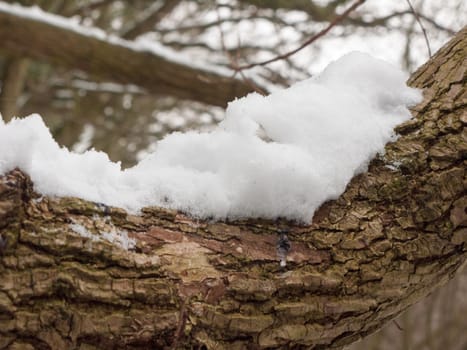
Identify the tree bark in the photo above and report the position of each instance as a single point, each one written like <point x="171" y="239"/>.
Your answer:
<point x="398" y="232"/>
<point x="14" y="76"/>
<point x="114" y="60"/>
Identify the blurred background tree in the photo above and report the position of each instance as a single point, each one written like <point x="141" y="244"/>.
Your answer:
<point x="125" y="118"/>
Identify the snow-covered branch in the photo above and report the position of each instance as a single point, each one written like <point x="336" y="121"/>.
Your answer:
<point x="75" y="274"/>
<point x="56" y="39"/>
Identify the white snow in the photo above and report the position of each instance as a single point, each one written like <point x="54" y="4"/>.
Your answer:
<point x="82" y="231"/>
<point x="320" y="133"/>
<point x="114" y="236"/>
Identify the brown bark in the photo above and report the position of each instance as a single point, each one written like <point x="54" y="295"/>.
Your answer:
<point x="40" y="40"/>
<point x="14" y="76"/>
<point x="390" y="239"/>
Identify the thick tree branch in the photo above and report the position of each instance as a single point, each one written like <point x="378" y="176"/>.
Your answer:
<point x="13" y="79"/>
<point x="115" y="59"/>
<point x="398" y="232"/>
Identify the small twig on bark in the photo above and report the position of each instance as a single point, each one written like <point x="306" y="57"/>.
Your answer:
<point x="315" y="37"/>
<point x="398" y="326"/>
<point x="417" y="17"/>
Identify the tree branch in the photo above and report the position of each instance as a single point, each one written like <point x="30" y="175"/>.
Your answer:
<point x="310" y="40"/>
<point x="114" y="59"/>
<point x="395" y="234"/>
<point x="422" y="27"/>
<point x="147" y="24"/>
<point x="316" y="12"/>
<point x="14" y="76"/>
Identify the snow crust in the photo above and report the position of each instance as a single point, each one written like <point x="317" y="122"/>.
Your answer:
<point x="282" y="155"/>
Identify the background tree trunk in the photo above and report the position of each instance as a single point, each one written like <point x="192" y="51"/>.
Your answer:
<point x="14" y="76"/>
<point x="398" y="232"/>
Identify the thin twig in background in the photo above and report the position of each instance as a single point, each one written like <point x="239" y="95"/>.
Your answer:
<point x="88" y="8"/>
<point x="318" y="35"/>
<point x="234" y="61"/>
<point x="417" y="17"/>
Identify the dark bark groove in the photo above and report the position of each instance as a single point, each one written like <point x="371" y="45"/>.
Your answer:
<point x="398" y="232"/>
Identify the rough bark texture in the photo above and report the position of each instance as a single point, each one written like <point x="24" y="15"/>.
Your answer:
<point x="397" y="233"/>
<point x="105" y="59"/>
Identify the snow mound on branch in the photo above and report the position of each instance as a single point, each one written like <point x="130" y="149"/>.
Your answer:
<point x="319" y="134"/>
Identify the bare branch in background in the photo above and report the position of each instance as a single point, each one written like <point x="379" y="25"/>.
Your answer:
<point x="315" y="37"/>
<point x="234" y="61"/>
<point x="148" y="23"/>
<point x="316" y="13"/>
<point x="88" y="7"/>
<point x="383" y="21"/>
<point x="421" y="26"/>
